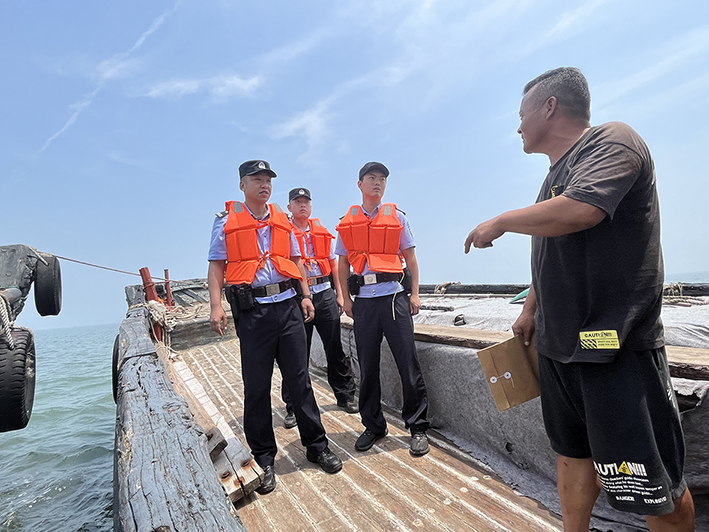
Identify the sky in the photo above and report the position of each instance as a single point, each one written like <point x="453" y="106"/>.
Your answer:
<point x="123" y="123"/>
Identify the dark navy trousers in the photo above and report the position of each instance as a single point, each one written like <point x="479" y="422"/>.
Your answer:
<point x="267" y="333"/>
<point x="389" y="317"/>
<point x="327" y="323"/>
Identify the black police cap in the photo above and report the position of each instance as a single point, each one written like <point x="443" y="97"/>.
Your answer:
<point x="255" y="167"/>
<point x="373" y="166"/>
<point x="299" y="192"/>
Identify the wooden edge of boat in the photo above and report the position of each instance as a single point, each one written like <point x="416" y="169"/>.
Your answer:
<point x="164" y="478"/>
<point x="236" y="469"/>
<point x="685" y="362"/>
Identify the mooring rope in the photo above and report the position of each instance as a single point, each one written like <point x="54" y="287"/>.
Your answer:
<point x="5" y="313"/>
<point x="107" y="268"/>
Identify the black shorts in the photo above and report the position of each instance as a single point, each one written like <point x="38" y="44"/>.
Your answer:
<point x="624" y="415"/>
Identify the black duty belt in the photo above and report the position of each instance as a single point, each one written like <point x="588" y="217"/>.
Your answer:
<point x="373" y="278"/>
<point x="273" y="289"/>
<point x="319" y="280"/>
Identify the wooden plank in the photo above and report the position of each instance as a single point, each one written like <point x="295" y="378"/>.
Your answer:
<point x="688" y="362"/>
<point x="181" y="387"/>
<point x="460" y="336"/>
<point x="164" y="478"/>
<point x="365" y="496"/>
<point x="684" y="362"/>
<point x="459" y="493"/>
<point x="238" y="473"/>
<point x="446" y="335"/>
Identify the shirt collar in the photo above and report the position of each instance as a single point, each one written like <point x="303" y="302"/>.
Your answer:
<point x="306" y="230"/>
<point x="374" y="211"/>
<point x="268" y="212"/>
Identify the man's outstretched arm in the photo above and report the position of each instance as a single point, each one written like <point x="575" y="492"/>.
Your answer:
<point x="554" y="217"/>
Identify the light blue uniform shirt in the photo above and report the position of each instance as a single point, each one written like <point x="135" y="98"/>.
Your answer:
<point x="406" y="241"/>
<point x="268" y="273"/>
<point x="315" y="270"/>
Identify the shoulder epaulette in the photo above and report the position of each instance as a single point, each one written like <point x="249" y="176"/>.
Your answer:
<point x="222" y="214"/>
<point x="402" y="212"/>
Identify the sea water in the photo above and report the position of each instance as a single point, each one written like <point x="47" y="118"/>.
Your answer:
<point x="56" y="474"/>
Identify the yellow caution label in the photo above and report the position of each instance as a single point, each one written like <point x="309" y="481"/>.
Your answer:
<point x="599" y="340"/>
<point x="624" y="469"/>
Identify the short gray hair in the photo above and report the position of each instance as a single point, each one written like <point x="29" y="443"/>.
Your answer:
<point x="570" y="88"/>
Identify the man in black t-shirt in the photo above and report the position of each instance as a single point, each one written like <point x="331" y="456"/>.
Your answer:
<point x="594" y="306"/>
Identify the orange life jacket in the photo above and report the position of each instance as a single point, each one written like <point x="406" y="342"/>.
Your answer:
<point x="243" y="255"/>
<point x="322" y="245"/>
<point x="373" y="241"/>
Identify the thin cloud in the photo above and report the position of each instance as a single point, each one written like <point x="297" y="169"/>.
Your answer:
<point x="312" y="125"/>
<point x="78" y="107"/>
<point x="672" y="55"/>
<point x="570" y="19"/>
<point x="220" y="88"/>
<point x="117" y="66"/>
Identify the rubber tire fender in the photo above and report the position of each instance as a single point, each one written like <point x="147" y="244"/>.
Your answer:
<point x="17" y="380"/>
<point x="114" y="369"/>
<point x="48" y="286"/>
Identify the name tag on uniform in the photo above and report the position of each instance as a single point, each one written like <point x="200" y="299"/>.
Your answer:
<point x="599" y="339"/>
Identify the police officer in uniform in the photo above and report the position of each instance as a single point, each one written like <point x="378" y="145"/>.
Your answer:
<point x="373" y="239"/>
<point x="315" y="243"/>
<point x="253" y="246"/>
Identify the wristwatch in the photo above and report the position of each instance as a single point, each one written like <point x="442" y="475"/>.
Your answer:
<point x="307" y="296"/>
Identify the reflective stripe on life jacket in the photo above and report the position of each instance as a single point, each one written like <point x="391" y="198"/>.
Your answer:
<point x="243" y="255"/>
<point x="373" y="241"/>
<point x="321" y="239"/>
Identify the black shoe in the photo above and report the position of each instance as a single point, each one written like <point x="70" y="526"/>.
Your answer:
<point x="367" y="439"/>
<point x="268" y="484"/>
<point x="351" y="406"/>
<point x="419" y="444"/>
<point x="289" y="421"/>
<point x="327" y="460"/>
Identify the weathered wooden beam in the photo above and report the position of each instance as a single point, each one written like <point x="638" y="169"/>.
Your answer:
<point x="238" y="472"/>
<point x="684" y="362"/>
<point x="688" y="362"/>
<point x="163" y="476"/>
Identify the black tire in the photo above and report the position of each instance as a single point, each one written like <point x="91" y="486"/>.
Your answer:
<point x="114" y="369"/>
<point x="48" y="287"/>
<point x="17" y="380"/>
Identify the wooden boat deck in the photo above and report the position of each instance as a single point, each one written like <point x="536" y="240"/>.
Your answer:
<point x="382" y="489"/>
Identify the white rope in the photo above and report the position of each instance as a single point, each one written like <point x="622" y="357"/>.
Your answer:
<point x="5" y="312"/>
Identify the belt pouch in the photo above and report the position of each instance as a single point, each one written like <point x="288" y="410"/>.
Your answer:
<point x="245" y="297"/>
<point x="353" y="285"/>
<point x="407" y="282"/>
<point x="233" y="303"/>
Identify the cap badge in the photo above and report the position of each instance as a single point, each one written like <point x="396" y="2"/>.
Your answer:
<point x="261" y="165"/>
<point x="301" y="191"/>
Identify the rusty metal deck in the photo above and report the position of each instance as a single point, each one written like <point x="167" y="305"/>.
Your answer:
<point x="382" y="489"/>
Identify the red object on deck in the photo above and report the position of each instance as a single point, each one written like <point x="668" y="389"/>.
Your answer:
<point x="168" y="299"/>
<point x="151" y="295"/>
